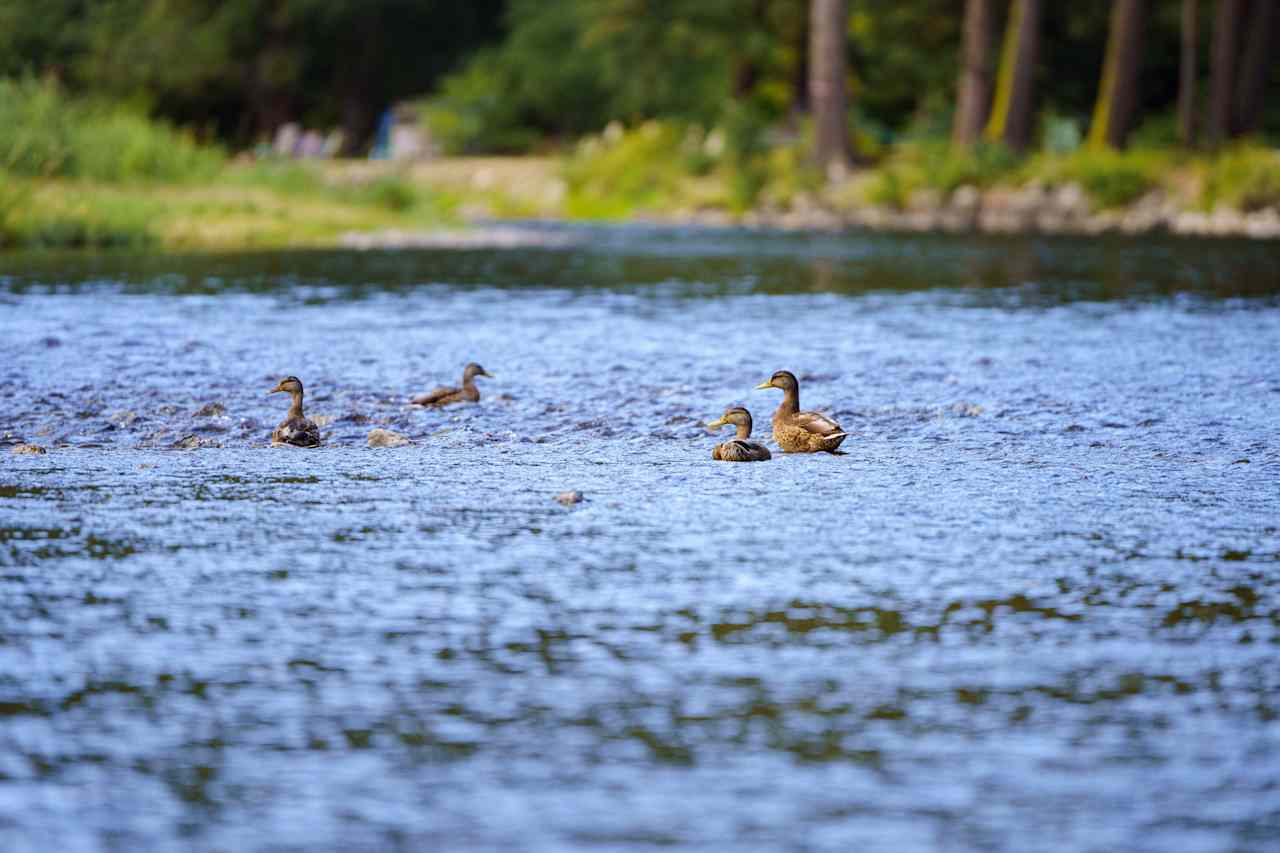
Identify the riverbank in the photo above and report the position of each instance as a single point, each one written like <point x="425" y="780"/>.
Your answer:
<point x="367" y="204"/>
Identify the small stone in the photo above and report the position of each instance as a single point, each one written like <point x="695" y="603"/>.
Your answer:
<point x="966" y="410"/>
<point x="30" y="449"/>
<point x="123" y="419"/>
<point x="210" y="410"/>
<point x="569" y="498"/>
<point x="194" y="442"/>
<point x="387" y="438"/>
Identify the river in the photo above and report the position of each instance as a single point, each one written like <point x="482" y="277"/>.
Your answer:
<point x="1034" y="607"/>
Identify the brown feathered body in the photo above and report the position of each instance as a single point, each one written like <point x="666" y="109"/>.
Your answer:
<point x="797" y="431"/>
<point x="736" y="450"/>
<point x="448" y="395"/>
<point x="300" y="432"/>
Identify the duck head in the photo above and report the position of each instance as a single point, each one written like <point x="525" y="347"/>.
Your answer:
<point x="784" y="379"/>
<point x="289" y="385"/>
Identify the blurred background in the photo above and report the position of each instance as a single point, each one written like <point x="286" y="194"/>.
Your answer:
<point x="800" y="112"/>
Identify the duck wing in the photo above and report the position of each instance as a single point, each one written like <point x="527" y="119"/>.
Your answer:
<point x="737" y="450"/>
<point x="434" y="397"/>
<point x="300" y="432"/>
<point x="817" y="424"/>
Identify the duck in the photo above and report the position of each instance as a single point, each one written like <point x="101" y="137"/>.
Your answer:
<point x="797" y="431"/>
<point x="738" y="449"/>
<point x="447" y="395"/>
<point x="296" y="429"/>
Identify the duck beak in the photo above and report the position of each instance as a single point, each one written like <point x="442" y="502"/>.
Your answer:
<point x="763" y="385"/>
<point x="274" y="390"/>
<point x="488" y="374"/>
<point x="716" y="424"/>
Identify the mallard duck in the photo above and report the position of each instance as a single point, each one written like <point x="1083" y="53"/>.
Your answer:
<point x="296" y="429"/>
<point x="797" y="431"/>
<point x="738" y="449"/>
<point x="447" y="395"/>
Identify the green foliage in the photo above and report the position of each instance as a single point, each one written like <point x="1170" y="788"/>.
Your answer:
<point x="619" y="173"/>
<point x="1111" y="178"/>
<point x="1245" y="176"/>
<point x="43" y="132"/>
<point x="940" y="167"/>
<point x="473" y="113"/>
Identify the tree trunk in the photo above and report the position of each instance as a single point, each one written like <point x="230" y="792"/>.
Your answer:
<point x="827" y="27"/>
<point x="1187" y="73"/>
<point x="1011" y="112"/>
<point x="1254" y="67"/>
<point x="1222" y="71"/>
<point x="1118" y="93"/>
<point x="974" y="90"/>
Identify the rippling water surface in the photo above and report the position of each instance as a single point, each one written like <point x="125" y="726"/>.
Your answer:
<point x="1035" y="607"/>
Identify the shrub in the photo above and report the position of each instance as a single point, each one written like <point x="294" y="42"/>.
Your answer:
<point x="45" y="133"/>
<point x="1246" y="177"/>
<point x="1111" y="178"/>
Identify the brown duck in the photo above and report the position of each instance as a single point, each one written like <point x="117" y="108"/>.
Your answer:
<point x="797" y="431"/>
<point x="447" y="395"/>
<point x="296" y="429"/>
<point x="738" y="449"/>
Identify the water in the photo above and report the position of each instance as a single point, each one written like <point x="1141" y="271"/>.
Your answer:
<point x="1035" y="607"/>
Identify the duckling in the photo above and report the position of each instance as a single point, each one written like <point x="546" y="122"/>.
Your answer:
<point x="446" y="395"/>
<point x="738" y="449"/>
<point x="296" y="429"/>
<point x="797" y="431"/>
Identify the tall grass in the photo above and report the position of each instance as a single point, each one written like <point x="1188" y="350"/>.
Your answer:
<point x="46" y="133"/>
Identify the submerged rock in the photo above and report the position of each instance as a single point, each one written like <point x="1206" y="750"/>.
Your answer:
<point x="387" y="438"/>
<point x="210" y="410"/>
<point x="194" y="442"/>
<point x="570" y="498"/>
<point x="30" y="449"/>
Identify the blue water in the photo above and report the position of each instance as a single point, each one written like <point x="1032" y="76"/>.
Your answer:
<point x="1035" y="607"/>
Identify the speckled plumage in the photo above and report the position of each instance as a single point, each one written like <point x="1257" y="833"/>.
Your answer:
<point x="447" y="395"/>
<point x="797" y="431"/>
<point x="738" y="448"/>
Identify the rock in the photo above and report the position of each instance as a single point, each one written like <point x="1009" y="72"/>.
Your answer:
<point x="569" y="498"/>
<point x="194" y="442"/>
<point x="966" y="410"/>
<point x="123" y="419"/>
<point x="966" y="197"/>
<point x="1071" y="201"/>
<point x="387" y="438"/>
<point x="28" y="449"/>
<point x="210" y="410"/>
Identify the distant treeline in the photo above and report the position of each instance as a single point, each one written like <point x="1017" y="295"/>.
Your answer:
<point x="509" y="75"/>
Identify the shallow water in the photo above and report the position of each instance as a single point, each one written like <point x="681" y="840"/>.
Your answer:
<point x="1035" y="607"/>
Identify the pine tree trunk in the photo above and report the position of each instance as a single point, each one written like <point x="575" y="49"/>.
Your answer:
<point x="1011" y="114"/>
<point x="1254" y="67"/>
<point x="1187" y="73"/>
<point x="1222" y="71"/>
<point x="974" y="90"/>
<point x="827" y="28"/>
<point x="1118" y="93"/>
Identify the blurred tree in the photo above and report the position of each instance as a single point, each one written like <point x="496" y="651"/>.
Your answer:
<point x="1254" y="65"/>
<point x="1222" y="71"/>
<point x="1011" y="114"/>
<point x="974" y="98"/>
<point x="828" y="38"/>
<point x="1190" y="30"/>
<point x="1118" y="92"/>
